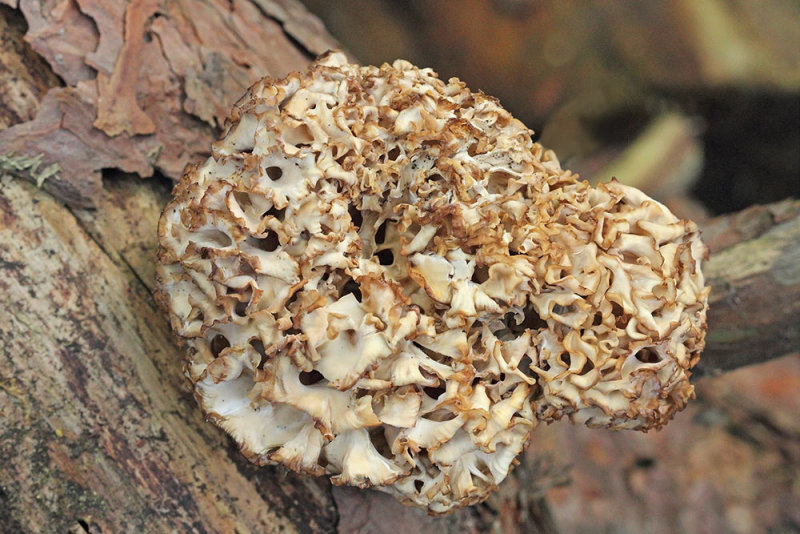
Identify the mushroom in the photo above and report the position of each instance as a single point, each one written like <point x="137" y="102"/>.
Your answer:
<point x="380" y="277"/>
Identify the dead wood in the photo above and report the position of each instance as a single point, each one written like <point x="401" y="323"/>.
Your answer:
<point x="754" y="273"/>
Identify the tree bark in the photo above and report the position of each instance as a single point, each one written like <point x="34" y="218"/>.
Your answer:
<point x="98" y="428"/>
<point x="754" y="274"/>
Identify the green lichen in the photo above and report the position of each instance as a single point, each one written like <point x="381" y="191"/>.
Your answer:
<point x="30" y="166"/>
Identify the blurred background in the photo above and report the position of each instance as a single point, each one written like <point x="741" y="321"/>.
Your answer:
<point x="684" y="96"/>
<point x="697" y="102"/>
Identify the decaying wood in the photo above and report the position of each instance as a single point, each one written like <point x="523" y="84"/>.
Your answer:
<point x="754" y="273"/>
<point x="98" y="430"/>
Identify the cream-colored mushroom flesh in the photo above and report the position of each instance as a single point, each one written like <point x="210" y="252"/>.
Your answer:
<point x="380" y="277"/>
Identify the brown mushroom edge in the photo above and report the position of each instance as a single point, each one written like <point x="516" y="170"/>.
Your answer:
<point x="380" y="277"/>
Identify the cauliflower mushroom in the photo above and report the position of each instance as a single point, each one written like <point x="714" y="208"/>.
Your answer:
<point x="380" y="277"/>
